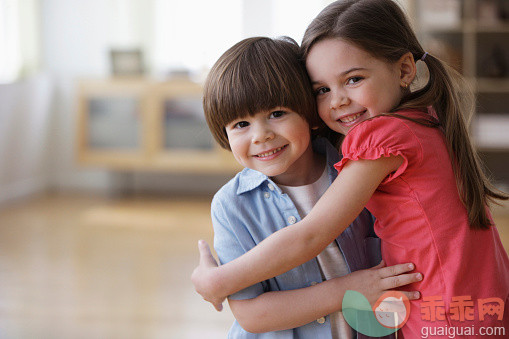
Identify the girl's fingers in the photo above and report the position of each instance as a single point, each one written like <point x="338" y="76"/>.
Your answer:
<point x="412" y="295"/>
<point x="395" y="270"/>
<point x="400" y="280"/>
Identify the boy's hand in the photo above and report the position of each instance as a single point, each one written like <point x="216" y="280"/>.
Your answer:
<point x="373" y="282"/>
<point x="203" y="276"/>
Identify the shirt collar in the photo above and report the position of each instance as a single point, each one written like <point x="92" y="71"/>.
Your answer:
<point x="250" y="179"/>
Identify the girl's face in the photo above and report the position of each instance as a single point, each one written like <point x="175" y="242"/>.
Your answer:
<point x="276" y="142"/>
<point x="351" y="85"/>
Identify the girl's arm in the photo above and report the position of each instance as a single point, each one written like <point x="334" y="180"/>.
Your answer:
<point x="281" y="310"/>
<point x="295" y="245"/>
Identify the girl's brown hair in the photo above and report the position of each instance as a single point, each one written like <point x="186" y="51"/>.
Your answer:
<point x="381" y="28"/>
<point x="254" y="75"/>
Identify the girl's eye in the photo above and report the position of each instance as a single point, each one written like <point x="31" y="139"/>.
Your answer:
<point x="354" y="80"/>
<point x="241" y="124"/>
<point x="277" y="114"/>
<point x="322" y="90"/>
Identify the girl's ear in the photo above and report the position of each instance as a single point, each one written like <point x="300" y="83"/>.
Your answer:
<point x="407" y="69"/>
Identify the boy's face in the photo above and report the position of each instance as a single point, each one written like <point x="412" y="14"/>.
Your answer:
<point x="275" y="142"/>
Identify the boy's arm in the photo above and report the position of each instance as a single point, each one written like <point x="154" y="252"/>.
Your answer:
<point x="293" y="246"/>
<point x="274" y="311"/>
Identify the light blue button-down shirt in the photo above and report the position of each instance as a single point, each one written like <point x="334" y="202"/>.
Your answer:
<point x="250" y="207"/>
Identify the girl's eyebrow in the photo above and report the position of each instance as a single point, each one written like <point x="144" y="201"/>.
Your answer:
<point x="353" y="69"/>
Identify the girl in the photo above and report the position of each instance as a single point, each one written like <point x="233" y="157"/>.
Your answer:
<point x="407" y="157"/>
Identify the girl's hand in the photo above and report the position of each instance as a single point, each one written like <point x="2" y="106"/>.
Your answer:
<point x="373" y="282"/>
<point x="203" y="277"/>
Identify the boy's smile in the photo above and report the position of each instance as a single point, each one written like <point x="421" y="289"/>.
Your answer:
<point x="276" y="142"/>
<point x="271" y="154"/>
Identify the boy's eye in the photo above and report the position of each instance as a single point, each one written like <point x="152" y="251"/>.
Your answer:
<point x="353" y="80"/>
<point x="241" y="124"/>
<point x="277" y="114"/>
<point x="322" y="90"/>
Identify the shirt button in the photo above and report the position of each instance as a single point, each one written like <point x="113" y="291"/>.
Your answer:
<point x="271" y="187"/>
<point x="266" y="195"/>
<point x="320" y="320"/>
<point x="292" y="220"/>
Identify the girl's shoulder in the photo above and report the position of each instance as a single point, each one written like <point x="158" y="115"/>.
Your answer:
<point x="393" y="122"/>
<point x="394" y="131"/>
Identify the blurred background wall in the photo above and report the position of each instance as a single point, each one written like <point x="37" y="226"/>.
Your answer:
<point x="72" y="39"/>
<point x="106" y="167"/>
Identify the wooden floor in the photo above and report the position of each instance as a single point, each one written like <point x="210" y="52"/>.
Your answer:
<point x="93" y="267"/>
<point x="89" y="267"/>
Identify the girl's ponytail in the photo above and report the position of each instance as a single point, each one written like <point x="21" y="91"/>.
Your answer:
<point x="453" y="102"/>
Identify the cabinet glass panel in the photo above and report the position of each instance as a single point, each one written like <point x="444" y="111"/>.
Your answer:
<point x="184" y="124"/>
<point x="488" y="103"/>
<point x="492" y="13"/>
<point x="493" y="55"/>
<point x="441" y="14"/>
<point x="114" y="123"/>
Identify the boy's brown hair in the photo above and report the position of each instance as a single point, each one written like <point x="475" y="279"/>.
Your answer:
<point x="254" y="75"/>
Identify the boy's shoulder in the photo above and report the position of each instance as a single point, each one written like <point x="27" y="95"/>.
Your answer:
<point x="244" y="181"/>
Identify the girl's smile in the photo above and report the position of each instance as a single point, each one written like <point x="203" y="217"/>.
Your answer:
<point x="351" y="119"/>
<point x="351" y="85"/>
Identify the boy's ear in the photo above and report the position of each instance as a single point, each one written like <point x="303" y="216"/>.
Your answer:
<point x="407" y="68"/>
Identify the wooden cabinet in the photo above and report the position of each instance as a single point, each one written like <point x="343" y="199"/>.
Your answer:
<point x="473" y="37"/>
<point x="142" y="124"/>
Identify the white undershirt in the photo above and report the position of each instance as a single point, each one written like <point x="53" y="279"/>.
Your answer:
<point x="331" y="261"/>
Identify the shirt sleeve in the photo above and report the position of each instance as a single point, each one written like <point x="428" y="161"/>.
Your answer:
<point x="383" y="136"/>
<point x="229" y="245"/>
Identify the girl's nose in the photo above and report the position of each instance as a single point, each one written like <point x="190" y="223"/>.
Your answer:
<point x="262" y="133"/>
<point x="338" y="99"/>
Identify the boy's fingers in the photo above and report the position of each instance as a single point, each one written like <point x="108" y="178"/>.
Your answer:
<point x="218" y="307"/>
<point x="205" y="253"/>
<point x="396" y="270"/>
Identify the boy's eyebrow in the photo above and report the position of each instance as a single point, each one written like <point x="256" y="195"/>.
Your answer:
<point x="353" y="69"/>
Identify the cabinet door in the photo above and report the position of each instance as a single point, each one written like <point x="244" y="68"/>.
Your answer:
<point x="185" y="127"/>
<point x="113" y="123"/>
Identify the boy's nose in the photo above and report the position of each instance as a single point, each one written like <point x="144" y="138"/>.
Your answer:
<point x="262" y="133"/>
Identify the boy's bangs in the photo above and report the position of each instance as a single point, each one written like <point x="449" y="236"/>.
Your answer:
<point x="271" y="80"/>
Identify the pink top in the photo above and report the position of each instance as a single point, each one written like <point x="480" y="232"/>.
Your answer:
<point x="421" y="219"/>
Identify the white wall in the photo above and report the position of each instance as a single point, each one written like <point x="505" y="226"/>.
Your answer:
<point x="37" y="121"/>
<point x="75" y="40"/>
<point x="25" y="117"/>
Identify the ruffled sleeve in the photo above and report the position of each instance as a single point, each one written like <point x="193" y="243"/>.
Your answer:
<point x="383" y="136"/>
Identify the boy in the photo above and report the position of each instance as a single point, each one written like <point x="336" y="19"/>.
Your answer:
<point x="259" y="104"/>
